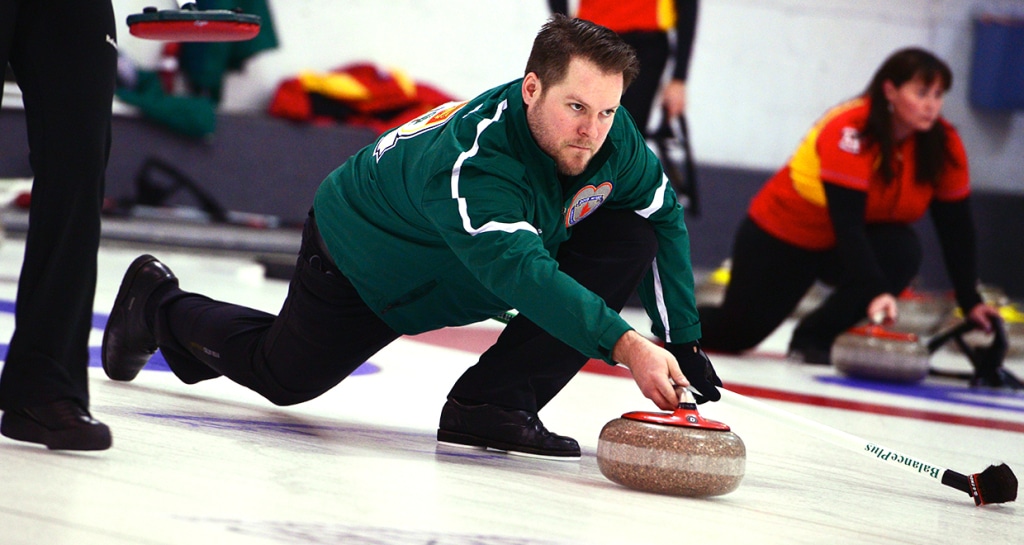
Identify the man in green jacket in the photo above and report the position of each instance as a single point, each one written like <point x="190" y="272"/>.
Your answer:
<point x="539" y="195"/>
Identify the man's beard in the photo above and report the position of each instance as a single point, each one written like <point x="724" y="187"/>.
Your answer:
<point x="571" y="169"/>
<point x="557" y="150"/>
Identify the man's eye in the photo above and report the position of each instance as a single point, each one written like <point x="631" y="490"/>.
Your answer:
<point x="576" y="107"/>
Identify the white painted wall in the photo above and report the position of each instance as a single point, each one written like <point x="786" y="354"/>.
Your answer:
<point x="762" y="70"/>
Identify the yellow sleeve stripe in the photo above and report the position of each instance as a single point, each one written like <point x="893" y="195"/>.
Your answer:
<point x="805" y="165"/>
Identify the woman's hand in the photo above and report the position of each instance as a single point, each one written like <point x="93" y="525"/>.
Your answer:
<point x="983" y="314"/>
<point x="883" y="309"/>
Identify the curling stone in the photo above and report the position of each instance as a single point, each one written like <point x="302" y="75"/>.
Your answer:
<point x="993" y="295"/>
<point x="711" y="290"/>
<point x="877" y="353"/>
<point x="1013" y="317"/>
<point x="922" y="312"/>
<point x="679" y="453"/>
<point x="191" y="24"/>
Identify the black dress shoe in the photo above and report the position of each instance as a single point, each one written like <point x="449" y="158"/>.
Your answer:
<point x="509" y="430"/>
<point x="128" y="341"/>
<point x="61" y="425"/>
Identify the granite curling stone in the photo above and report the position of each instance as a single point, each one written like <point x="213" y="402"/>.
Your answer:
<point x="711" y="290"/>
<point x="678" y="453"/>
<point x="1013" y="317"/>
<point x="922" y="312"/>
<point x="876" y="353"/>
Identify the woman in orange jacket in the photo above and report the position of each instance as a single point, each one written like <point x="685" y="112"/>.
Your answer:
<point x="841" y="211"/>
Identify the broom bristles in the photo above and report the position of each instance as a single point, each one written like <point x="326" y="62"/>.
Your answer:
<point x="997" y="484"/>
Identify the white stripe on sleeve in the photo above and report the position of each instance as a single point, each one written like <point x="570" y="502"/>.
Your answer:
<point x="457" y="172"/>
<point x="659" y="299"/>
<point x="659" y="199"/>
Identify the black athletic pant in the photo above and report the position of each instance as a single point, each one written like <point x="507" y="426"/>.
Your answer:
<point x="325" y="331"/>
<point x="769" y="277"/>
<point x="652" y="52"/>
<point x="608" y="253"/>
<point x="65" y="60"/>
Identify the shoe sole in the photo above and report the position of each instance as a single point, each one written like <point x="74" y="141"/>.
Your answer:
<point x="122" y="294"/>
<point x="14" y="426"/>
<point x="465" y="440"/>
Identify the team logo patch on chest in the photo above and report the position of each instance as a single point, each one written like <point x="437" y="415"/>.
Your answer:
<point x="586" y="200"/>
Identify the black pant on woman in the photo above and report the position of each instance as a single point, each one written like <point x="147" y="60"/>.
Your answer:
<point x="325" y="331"/>
<point x="769" y="277"/>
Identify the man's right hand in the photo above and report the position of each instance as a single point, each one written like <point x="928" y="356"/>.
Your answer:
<point x="697" y="367"/>
<point x="654" y="369"/>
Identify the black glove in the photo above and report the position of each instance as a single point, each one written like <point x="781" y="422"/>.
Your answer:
<point x="694" y="363"/>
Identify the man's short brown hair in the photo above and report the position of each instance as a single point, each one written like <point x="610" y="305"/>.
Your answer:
<point x="563" y="38"/>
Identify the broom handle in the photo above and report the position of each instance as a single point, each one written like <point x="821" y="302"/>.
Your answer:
<point x="849" y="441"/>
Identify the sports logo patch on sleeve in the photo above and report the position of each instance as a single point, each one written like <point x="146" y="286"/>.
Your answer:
<point x="586" y="200"/>
<point x="850" y="141"/>
<point x="426" y="122"/>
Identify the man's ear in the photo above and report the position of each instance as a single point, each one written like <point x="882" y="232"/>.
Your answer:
<point x="531" y="88"/>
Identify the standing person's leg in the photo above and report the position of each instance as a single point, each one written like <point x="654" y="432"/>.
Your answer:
<point x="767" y="279"/>
<point x="652" y="52"/>
<point x="8" y="24"/>
<point x="899" y="254"/>
<point x="322" y="334"/>
<point x="495" y="402"/>
<point x="64" y="57"/>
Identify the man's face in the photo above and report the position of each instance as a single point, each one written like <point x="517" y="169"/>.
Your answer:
<point x="571" y="120"/>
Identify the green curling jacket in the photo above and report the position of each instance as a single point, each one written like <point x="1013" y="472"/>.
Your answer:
<point x="456" y="217"/>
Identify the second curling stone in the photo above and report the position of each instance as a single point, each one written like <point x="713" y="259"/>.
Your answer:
<point x="679" y="453"/>
<point x="876" y="353"/>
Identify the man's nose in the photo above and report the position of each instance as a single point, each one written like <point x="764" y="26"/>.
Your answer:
<point x="588" y="126"/>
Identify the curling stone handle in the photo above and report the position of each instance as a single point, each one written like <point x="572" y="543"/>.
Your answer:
<point x="956" y="332"/>
<point x="991" y="356"/>
<point x="686" y="399"/>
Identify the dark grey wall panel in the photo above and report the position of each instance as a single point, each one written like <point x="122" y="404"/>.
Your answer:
<point x="269" y="166"/>
<point x="253" y="164"/>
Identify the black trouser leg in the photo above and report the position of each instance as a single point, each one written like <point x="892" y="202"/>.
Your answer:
<point x="66" y="68"/>
<point x="767" y="279"/>
<point x="608" y="253"/>
<point x="652" y="52"/>
<point x="322" y="334"/>
<point x="899" y="254"/>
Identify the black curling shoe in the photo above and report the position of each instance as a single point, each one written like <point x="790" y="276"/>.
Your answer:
<point x="128" y="341"/>
<point x="60" y="425"/>
<point x="807" y="351"/>
<point x="513" y="431"/>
